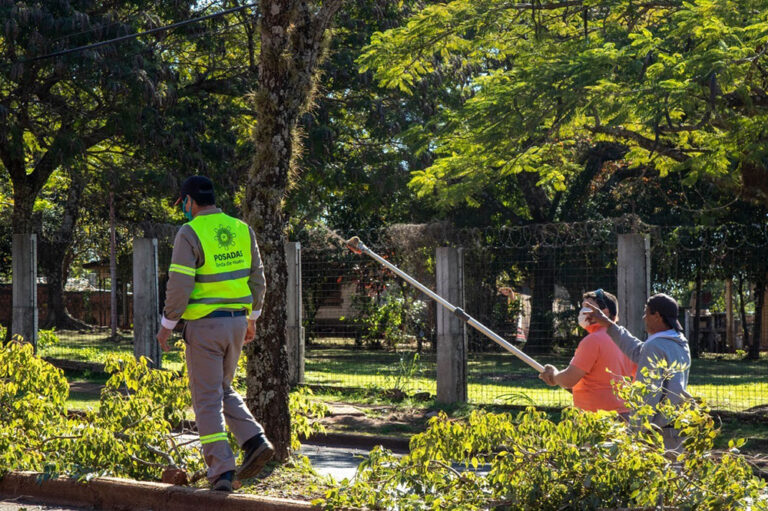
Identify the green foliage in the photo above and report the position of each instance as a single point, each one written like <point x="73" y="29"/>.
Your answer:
<point x="680" y="84"/>
<point x="387" y="319"/>
<point x="129" y="435"/>
<point x="404" y="377"/>
<point x="305" y="413"/>
<point x="528" y="462"/>
<point x="47" y="338"/>
<point x="357" y="165"/>
<point x="32" y="396"/>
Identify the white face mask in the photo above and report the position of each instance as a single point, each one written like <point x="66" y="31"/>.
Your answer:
<point x="583" y="321"/>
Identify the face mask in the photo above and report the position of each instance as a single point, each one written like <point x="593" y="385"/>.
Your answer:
<point x="583" y="321"/>
<point x="187" y="214"/>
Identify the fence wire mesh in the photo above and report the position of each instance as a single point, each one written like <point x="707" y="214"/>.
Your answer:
<point x="526" y="284"/>
<point x="718" y="275"/>
<point x="366" y="328"/>
<point x="89" y="335"/>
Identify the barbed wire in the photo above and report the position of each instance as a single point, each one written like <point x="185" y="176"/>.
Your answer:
<point x="552" y="235"/>
<point x="729" y="236"/>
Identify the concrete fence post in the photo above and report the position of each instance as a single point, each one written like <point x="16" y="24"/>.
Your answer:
<point x="24" y="277"/>
<point x="451" y="331"/>
<point x="294" y="332"/>
<point x="146" y="298"/>
<point x="634" y="280"/>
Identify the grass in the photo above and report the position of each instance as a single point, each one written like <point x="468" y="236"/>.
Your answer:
<point x="97" y="346"/>
<point x="725" y="382"/>
<point x="755" y="433"/>
<point x="82" y="401"/>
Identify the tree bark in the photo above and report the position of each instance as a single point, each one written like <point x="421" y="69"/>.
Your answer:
<point x="112" y="268"/>
<point x="55" y="257"/>
<point x="541" y="330"/>
<point x="754" y="347"/>
<point x="743" y="312"/>
<point x="292" y="43"/>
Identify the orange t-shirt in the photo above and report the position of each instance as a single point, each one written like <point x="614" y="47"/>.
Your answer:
<point x="595" y="353"/>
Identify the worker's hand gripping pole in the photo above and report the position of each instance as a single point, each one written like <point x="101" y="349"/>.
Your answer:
<point x="358" y="247"/>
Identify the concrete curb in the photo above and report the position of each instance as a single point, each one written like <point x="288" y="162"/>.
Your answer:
<point x="113" y="494"/>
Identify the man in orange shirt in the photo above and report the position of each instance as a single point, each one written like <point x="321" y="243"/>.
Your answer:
<point x="596" y="363"/>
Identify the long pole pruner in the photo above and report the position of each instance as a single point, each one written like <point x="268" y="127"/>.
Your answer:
<point x="358" y="247"/>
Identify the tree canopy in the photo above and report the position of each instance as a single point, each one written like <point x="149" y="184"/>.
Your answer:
<point x="681" y="84"/>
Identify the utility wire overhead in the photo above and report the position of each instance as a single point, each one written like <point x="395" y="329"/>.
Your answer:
<point x="133" y="36"/>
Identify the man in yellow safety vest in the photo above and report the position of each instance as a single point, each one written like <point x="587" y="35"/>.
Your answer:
<point x="216" y="285"/>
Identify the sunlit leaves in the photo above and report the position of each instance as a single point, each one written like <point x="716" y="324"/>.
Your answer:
<point x="528" y="462"/>
<point x="661" y="77"/>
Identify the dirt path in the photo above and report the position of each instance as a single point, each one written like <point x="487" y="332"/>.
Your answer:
<point x="375" y="419"/>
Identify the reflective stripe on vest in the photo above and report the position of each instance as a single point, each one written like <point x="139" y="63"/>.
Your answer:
<point x="222" y="281"/>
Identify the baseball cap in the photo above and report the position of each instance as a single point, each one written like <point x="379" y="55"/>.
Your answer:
<point x="200" y="188"/>
<point x="667" y="307"/>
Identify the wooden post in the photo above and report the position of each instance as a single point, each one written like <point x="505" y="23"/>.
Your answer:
<point x="451" y="331"/>
<point x="24" y="278"/>
<point x="146" y="297"/>
<point x="294" y="332"/>
<point x="634" y="280"/>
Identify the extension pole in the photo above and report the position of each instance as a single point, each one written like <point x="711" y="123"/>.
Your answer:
<point x="358" y="247"/>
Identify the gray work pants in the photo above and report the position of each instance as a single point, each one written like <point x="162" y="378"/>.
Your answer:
<point x="672" y="440"/>
<point x="213" y="348"/>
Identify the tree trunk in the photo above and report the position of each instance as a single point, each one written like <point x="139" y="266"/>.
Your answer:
<point x="696" y="340"/>
<point x="23" y="204"/>
<point x="541" y="328"/>
<point x="112" y="268"/>
<point x="754" y="347"/>
<point x="292" y="40"/>
<point x="743" y="313"/>
<point x="54" y="260"/>
<point x="55" y="257"/>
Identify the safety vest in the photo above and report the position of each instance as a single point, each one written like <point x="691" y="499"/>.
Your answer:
<point x="222" y="281"/>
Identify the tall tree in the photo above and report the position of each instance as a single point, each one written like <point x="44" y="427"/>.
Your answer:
<point x="665" y="87"/>
<point x="357" y="160"/>
<point x="56" y="236"/>
<point x="53" y="110"/>
<point x="187" y="114"/>
<point x="679" y="83"/>
<point x="293" y="36"/>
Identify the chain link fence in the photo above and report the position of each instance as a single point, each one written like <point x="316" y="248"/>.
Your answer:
<point x="365" y="328"/>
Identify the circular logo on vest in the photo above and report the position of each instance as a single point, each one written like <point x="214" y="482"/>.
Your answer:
<point x="224" y="236"/>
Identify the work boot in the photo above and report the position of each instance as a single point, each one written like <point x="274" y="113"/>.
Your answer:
<point x="258" y="451"/>
<point x="224" y="482"/>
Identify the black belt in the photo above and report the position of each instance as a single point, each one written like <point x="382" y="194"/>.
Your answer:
<point x="225" y="314"/>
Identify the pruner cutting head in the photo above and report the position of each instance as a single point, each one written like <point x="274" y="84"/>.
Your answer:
<point x="355" y="245"/>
